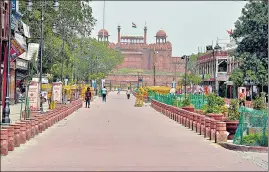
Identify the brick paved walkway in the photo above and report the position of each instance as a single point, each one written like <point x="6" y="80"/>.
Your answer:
<point x="117" y="136"/>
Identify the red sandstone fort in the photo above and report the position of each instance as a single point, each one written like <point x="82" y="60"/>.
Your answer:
<point x="138" y="54"/>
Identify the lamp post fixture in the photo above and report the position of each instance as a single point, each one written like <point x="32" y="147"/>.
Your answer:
<point x="6" y="110"/>
<point x="216" y="48"/>
<point x="185" y="77"/>
<point x="54" y="29"/>
<point x="154" y="66"/>
<point x="29" y="5"/>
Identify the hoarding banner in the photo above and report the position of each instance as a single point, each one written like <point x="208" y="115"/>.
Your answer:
<point x="15" y="50"/>
<point x="103" y="83"/>
<point x="33" y="94"/>
<point x="57" y="92"/>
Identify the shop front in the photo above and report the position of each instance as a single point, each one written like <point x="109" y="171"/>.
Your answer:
<point x="21" y="74"/>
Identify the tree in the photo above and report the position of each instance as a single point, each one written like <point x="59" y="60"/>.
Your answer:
<point x="82" y="57"/>
<point x="236" y="77"/>
<point x="192" y="63"/>
<point x="251" y="35"/>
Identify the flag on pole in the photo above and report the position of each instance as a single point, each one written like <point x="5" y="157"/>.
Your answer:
<point x="230" y="31"/>
<point x="133" y="25"/>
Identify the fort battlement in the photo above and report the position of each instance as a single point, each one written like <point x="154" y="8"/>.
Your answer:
<point x="138" y="54"/>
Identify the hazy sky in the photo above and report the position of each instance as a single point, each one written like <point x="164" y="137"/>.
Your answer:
<point x="187" y="24"/>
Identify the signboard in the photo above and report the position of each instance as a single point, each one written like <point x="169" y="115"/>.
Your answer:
<point x="103" y="83"/>
<point x="15" y="50"/>
<point x="57" y="91"/>
<point x="26" y="30"/>
<point x="13" y="5"/>
<point x="14" y="22"/>
<point x="33" y="95"/>
<point x="32" y="51"/>
<point x="21" y="64"/>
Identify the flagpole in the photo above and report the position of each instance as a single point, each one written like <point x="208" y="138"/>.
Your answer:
<point x="104" y="20"/>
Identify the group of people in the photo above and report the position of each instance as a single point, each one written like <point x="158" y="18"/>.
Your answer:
<point x="88" y="95"/>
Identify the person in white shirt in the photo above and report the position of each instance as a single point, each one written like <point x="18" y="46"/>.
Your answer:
<point x="128" y="93"/>
<point x="173" y="91"/>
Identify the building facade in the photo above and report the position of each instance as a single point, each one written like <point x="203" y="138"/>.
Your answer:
<point x="211" y="64"/>
<point x="139" y="54"/>
<point x="18" y="52"/>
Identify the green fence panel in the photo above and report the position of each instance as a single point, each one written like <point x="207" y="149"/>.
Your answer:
<point x="252" y="128"/>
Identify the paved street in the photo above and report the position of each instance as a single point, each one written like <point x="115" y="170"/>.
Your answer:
<point x="118" y="136"/>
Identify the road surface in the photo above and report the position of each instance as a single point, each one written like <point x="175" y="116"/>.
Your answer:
<point x="118" y="136"/>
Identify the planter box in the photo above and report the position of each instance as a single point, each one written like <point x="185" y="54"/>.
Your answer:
<point x="218" y="117"/>
<point x="189" y="108"/>
<point x="231" y="126"/>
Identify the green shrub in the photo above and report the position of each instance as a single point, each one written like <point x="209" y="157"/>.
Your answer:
<point x="233" y="112"/>
<point x="256" y="139"/>
<point x="186" y="101"/>
<point x="258" y="103"/>
<point x="214" y="104"/>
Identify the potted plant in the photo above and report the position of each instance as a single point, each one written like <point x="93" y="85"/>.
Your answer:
<point x="214" y="105"/>
<point x="186" y="104"/>
<point x="233" y="118"/>
<point x="258" y="103"/>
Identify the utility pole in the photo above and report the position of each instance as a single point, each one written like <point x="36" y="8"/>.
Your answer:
<point x="175" y="73"/>
<point x="154" y="67"/>
<point x="137" y="79"/>
<point x="6" y="110"/>
<point x="175" y="63"/>
<point x="41" y="56"/>
<point x="185" y="80"/>
<point x="62" y="60"/>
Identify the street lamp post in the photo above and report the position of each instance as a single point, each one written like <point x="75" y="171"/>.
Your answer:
<point x="29" y="8"/>
<point x="138" y="79"/>
<point x="6" y="111"/>
<point x="154" y="66"/>
<point x="185" y="77"/>
<point x="216" y="48"/>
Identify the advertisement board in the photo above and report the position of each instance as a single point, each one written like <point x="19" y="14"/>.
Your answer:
<point x="57" y="91"/>
<point x="15" y="50"/>
<point x="33" y="95"/>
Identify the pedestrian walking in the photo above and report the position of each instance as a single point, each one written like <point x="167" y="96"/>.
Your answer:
<point x="118" y="91"/>
<point x="128" y="93"/>
<point x="88" y="96"/>
<point x="242" y="98"/>
<point x="104" y="93"/>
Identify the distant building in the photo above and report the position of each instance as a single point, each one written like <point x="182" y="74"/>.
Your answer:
<point x="138" y="54"/>
<point x="222" y="63"/>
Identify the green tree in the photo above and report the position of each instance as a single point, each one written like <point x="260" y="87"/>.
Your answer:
<point x="81" y="57"/>
<point x="236" y="77"/>
<point x="251" y="35"/>
<point x="193" y="62"/>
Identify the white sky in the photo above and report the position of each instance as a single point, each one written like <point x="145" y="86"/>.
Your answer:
<point x="187" y="24"/>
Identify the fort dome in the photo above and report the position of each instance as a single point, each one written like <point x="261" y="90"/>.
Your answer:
<point x="161" y="33"/>
<point x="100" y="33"/>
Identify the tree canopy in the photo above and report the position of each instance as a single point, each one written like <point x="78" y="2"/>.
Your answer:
<point x="69" y="43"/>
<point x="251" y="35"/>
